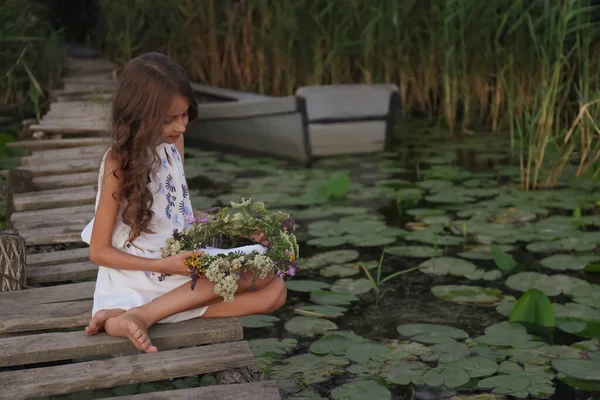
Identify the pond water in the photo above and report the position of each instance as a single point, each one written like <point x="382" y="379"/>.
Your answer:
<point x="439" y="331"/>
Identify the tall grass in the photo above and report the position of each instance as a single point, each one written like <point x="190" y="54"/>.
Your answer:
<point x="30" y="60"/>
<point x="525" y="67"/>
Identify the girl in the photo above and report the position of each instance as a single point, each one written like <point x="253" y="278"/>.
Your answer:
<point x="142" y="198"/>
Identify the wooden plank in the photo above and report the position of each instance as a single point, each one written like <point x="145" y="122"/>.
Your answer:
<point x="53" y="235"/>
<point x="60" y="154"/>
<point x="56" y="346"/>
<point x="56" y="198"/>
<point x="62" y="379"/>
<point x="263" y="390"/>
<point x="68" y="166"/>
<point x="52" y="216"/>
<point x="15" y="302"/>
<point x="69" y="129"/>
<point x="58" y="257"/>
<point x="65" y="180"/>
<point x="57" y="143"/>
<point x="45" y="316"/>
<point x="89" y="65"/>
<point x="62" y="272"/>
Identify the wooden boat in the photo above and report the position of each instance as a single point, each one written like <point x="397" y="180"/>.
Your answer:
<point x="317" y="121"/>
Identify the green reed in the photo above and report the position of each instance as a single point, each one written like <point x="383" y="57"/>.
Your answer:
<point x="30" y="62"/>
<point x="524" y="68"/>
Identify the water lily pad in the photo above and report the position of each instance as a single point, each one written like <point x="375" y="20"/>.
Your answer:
<point x="551" y="285"/>
<point x="307" y="394"/>
<point x="305" y="285"/>
<point x="339" y="270"/>
<point x="321" y="311"/>
<point x="507" y="334"/>
<point x="414" y="251"/>
<point x="352" y="286"/>
<point x="433" y="237"/>
<point x="257" y="321"/>
<point x="564" y="262"/>
<point x="329" y="258"/>
<point x="360" y="390"/>
<point x="331" y="241"/>
<point x="463" y="294"/>
<point x="505" y="384"/>
<point x="272" y="346"/>
<point x="448" y="375"/>
<point x="447" y="266"/>
<point x="447" y="352"/>
<point x="309" y="326"/>
<point x="334" y="344"/>
<point x="544" y="354"/>
<point x="568" y="244"/>
<point x="483" y="252"/>
<point x="402" y="350"/>
<point x="588" y="370"/>
<point x="373" y="240"/>
<point x="479" y="397"/>
<point x="430" y="333"/>
<point x="425" y="212"/>
<point x="363" y="352"/>
<point x="310" y="367"/>
<point x="492" y="275"/>
<point x="365" y="369"/>
<point x="477" y="367"/>
<point x="324" y="297"/>
<point x="435" y="184"/>
<point x="588" y="295"/>
<point x="403" y="372"/>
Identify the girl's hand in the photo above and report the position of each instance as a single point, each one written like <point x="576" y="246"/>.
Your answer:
<point x="259" y="237"/>
<point x="175" y="265"/>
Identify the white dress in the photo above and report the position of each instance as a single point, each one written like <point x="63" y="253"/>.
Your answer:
<point x="116" y="288"/>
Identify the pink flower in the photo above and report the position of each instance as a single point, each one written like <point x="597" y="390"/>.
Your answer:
<point x="280" y="274"/>
<point x="291" y="271"/>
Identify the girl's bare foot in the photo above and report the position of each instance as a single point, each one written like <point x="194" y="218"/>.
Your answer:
<point x="133" y="327"/>
<point x="97" y="322"/>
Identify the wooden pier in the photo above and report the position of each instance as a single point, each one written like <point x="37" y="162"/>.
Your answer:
<point x="43" y="348"/>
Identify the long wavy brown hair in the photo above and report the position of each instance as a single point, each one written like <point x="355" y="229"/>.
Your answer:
<point x="146" y="87"/>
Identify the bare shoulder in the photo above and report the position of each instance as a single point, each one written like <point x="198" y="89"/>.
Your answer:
<point x="112" y="166"/>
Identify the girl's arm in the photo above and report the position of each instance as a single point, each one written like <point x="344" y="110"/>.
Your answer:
<point x="101" y="250"/>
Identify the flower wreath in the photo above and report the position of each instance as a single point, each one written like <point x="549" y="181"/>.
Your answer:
<point x="237" y="224"/>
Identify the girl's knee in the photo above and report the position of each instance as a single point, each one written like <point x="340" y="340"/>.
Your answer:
<point x="263" y="283"/>
<point x="279" y="295"/>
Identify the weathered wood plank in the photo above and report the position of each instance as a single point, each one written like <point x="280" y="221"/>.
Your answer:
<point x="65" y="166"/>
<point x="55" y="198"/>
<point x="76" y="377"/>
<point x="60" y="154"/>
<point x="69" y="129"/>
<point x="56" y="346"/>
<point x="58" y="257"/>
<point x="53" y="235"/>
<point x="65" y="180"/>
<point x="15" y="302"/>
<point x="54" y="216"/>
<point x="57" y="143"/>
<point x="89" y="65"/>
<point x="264" y="390"/>
<point x="58" y="222"/>
<point x="44" y="316"/>
<point x="61" y="272"/>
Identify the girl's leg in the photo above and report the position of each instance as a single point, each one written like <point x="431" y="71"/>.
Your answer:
<point x="97" y="322"/>
<point x="263" y="301"/>
<point x="134" y="323"/>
